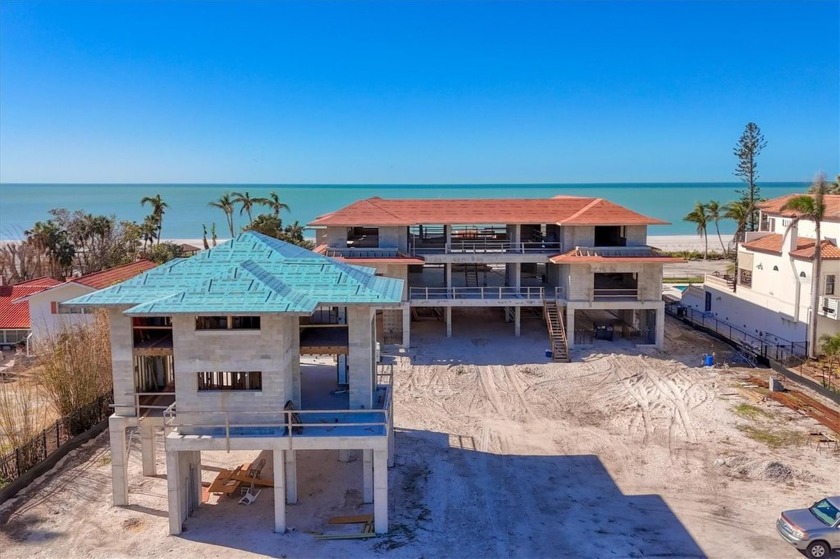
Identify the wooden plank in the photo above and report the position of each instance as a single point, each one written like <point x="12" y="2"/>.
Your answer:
<point x="357" y="519"/>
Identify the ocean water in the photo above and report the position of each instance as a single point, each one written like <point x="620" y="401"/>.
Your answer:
<point x="21" y="205"/>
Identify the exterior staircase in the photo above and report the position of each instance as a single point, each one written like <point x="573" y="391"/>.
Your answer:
<point x="556" y="331"/>
<point x="471" y="275"/>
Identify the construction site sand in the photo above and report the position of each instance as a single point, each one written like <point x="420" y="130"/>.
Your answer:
<point x="499" y="452"/>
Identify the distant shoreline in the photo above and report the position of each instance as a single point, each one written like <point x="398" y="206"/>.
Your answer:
<point x="667" y="243"/>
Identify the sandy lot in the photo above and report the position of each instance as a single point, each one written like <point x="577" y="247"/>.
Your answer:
<point x="500" y="453"/>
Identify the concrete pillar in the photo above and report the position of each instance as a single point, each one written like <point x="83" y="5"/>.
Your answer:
<point x="406" y="333"/>
<point x="516" y="274"/>
<point x="147" y="445"/>
<point x="570" y="327"/>
<point x="280" y="490"/>
<point x="447" y="274"/>
<point x="367" y="476"/>
<point x="448" y="317"/>
<point x="122" y="362"/>
<point x="290" y="468"/>
<point x="380" y="491"/>
<point x="517" y="320"/>
<point x="343" y="455"/>
<point x="447" y="233"/>
<point x="173" y="491"/>
<point x="360" y="360"/>
<point x="295" y="368"/>
<point x="119" y="462"/>
<point x="660" y="327"/>
<point x="391" y="450"/>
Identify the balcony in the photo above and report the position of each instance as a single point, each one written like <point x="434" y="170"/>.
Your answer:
<point x="726" y="281"/>
<point x="830" y="306"/>
<point x="451" y="294"/>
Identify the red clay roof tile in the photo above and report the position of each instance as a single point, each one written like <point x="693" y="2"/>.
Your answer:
<point x="107" y="278"/>
<point x="774" y="206"/>
<point x="16" y="315"/>
<point x="562" y="210"/>
<point x="773" y="242"/>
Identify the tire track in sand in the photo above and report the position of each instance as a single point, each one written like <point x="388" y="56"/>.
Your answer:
<point x="639" y="396"/>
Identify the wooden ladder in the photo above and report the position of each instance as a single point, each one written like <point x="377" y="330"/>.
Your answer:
<point x="556" y="331"/>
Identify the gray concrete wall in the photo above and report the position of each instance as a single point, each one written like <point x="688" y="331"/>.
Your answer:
<point x="578" y="236"/>
<point x="335" y="237"/>
<point x="360" y="361"/>
<point x="122" y="362"/>
<point x="636" y="235"/>
<point x="270" y="350"/>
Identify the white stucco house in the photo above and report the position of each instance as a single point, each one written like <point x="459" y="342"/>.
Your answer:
<point x="770" y="297"/>
<point x="48" y="316"/>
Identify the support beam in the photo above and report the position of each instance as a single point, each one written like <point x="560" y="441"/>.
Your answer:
<point x="280" y="490"/>
<point x="173" y="491"/>
<point x="290" y="475"/>
<point x="448" y="318"/>
<point x="367" y="476"/>
<point x="570" y="327"/>
<point x="119" y="460"/>
<point x="147" y="445"/>
<point x="517" y="320"/>
<point x="380" y="491"/>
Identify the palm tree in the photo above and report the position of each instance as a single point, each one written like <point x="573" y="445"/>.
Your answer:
<point x="273" y="202"/>
<point x="811" y="207"/>
<point x="247" y="203"/>
<point x="158" y="209"/>
<point x="739" y="211"/>
<point x="713" y="211"/>
<point x="226" y="205"/>
<point x="699" y="215"/>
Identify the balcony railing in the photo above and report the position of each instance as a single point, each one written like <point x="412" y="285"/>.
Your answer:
<point x="364" y="253"/>
<point x="478" y="293"/>
<point x="830" y="306"/>
<point x="481" y="246"/>
<point x="615" y="294"/>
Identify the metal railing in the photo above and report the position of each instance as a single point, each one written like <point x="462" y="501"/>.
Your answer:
<point x="488" y="246"/>
<point x="615" y="294"/>
<point x="559" y="292"/>
<point x="351" y="253"/>
<point x="476" y="293"/>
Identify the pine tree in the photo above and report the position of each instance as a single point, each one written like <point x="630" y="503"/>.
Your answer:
<point x="747" y="150"/>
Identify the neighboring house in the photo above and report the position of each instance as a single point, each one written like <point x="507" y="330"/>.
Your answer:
<point x="217" y="340"/>
<point x="770" y="296"/>
<point x="47" y="316"/>
<point x="582" y="259"/>
<point x="15" y="321"/>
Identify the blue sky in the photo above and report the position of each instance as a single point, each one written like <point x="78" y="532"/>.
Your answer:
<point x="415" y="92"/>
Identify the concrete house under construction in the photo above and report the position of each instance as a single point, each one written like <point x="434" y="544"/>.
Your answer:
<point x="582" y="263"/>
<point x="209" y="349"/>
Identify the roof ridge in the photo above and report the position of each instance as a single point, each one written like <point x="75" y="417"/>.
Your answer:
<point x="584" y="209"/>
<point x="377" y="206"/>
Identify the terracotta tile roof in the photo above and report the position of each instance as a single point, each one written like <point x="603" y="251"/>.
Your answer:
<point x="107" y="278"/>
<point x="804" y="247"/>
<point x="15" y="315"/>
<point x="589" y="255"/>
<point x="774" y="206"/>
<point x="562" y="210"/>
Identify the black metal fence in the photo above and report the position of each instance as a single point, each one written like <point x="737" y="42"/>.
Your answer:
<point x="766" y="347"/>
<point x="42" y="446"/>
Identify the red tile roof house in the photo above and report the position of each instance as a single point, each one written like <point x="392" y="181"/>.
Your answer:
<point x="14" y="311"/>
<point x="585" y="260"/>
<point x="47" y="314"/>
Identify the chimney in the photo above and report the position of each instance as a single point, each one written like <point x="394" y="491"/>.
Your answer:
<point x="789" y="242"/>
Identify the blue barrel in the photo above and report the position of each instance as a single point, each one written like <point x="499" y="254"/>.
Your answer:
<point x="548" y="353"/>
<point x="709" y="360"/>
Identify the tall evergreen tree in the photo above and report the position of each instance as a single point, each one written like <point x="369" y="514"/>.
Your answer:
<point x="747" y="150"/>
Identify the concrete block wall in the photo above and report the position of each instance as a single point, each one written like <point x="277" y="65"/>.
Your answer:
<point x="636" y="235"/>
<point x="270" y="350"/>
<point x="390" y="237"/>
<point x="360" y="362"/>
<point x="335" y="237"/>
<point x="578" y="236"/>
<point x="392" y="322"/>
<point x="122" y="362"/>
<point x="582" y="279"/>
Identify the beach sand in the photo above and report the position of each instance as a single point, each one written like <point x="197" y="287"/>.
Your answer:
<point x="624" y="452"/>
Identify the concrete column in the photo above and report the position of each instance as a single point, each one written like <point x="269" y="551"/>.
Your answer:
<point x="147" y="445"/>
<point x="447" y="274"/>
<point x="360" y="360"/>
<point x="391" y="450"/>
<point x="295" y="368"/>
<point x="447" y="233"/>
<point x="343" y="455"/>
<point x="516" y="274"/>
<point x="570" y="327"/>
<point x="406" y="334"/>
<point x="280" y="490"/>
<point x="173" y="491"/>
<point x="380" y="491"/>
<point x="660" y="327"/>
<point x="119" y="463"/>
<point x="448" y="318"/>
<point x="517" y="320"/>
<point x="122" y="362"/>
<point x="367" y="476"/>
<point x="290" y="469"/>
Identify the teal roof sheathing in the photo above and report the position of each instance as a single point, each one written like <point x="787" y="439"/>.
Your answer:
<point x="251" y="274"/>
